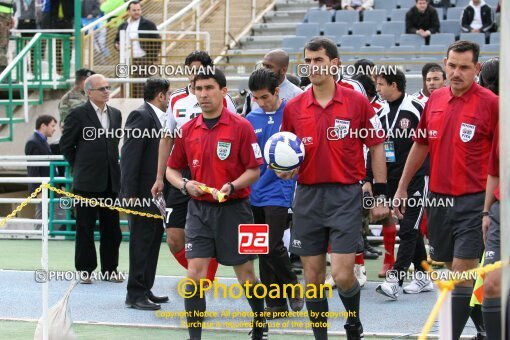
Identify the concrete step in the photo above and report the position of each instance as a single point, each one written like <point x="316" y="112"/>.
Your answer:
<point x="262" y="42"/>
<point x="287" y="28"/>
<point x="293" y="16"/>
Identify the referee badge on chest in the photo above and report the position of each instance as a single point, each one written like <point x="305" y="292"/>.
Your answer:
<point x="467" y="131"/>
<point x="223" y="150"/>
<point x="342" y="127"/>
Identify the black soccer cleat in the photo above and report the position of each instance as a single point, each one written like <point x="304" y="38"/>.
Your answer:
<point x="354" y="331"/>
<point x="258" y="333"/>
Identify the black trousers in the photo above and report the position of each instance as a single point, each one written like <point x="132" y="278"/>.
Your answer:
<point x="275" y="266"/>
<point x="412" y="247"/>
<point x="145" y="239"/>
<point x="85" y="258"/>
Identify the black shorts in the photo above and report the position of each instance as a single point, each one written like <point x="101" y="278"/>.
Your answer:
<point x="212" y="230"/>
<point x="492" y="247"/>
<point x="177" y="216"/>
<point x="455" y="231"/>
<point x="326" y="214"/>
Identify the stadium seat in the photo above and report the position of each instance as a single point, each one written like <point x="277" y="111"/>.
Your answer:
<point x="406" y="3"/>
<point x="462" y="3"/>
<point x="347" y="16"/>
<point x="444" y="39"/>
<point x="364" y="28"/>
<point x="433" y="49"/>
<point x="495" y="38"/>
<point x="441" y="13"/>
<point x="393" y="27"/>
<point x="336" y="29"/>
<point x="407" y="50"/>
<point x="377" y="52"/>
<point x="385" y="40"/>
<point x="355" y="41"/>
<point x="478" y="38"/>
<point x="398" y="14"/>
<point x="319" y="17"/>
<point x="454" y="13"/>
<point x="385" y="4"/>
<point x="345" y="49"/>
<point x="295" y="44"/>
<point x="308" y="30"/>
<point x="492" y="48"/>
<point x="411" y="40"/>
<point x="450" y="26"/>
<point x="376" y="15"/>
<point x="492" y="3"/>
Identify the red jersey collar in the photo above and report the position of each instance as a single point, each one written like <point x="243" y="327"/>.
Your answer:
<point x="467" y="95"/>
<point x="224" y="119"/>
<point x="310" y="97"/>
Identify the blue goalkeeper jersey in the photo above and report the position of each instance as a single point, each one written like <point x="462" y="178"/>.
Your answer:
<point x="269" y="190"/>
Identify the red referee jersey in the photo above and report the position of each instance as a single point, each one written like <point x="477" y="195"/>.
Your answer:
<point x="459" y="132"/>
<point x="494" y="162"/>
<point x="218" y="155"/>
<point x="328" y="158"/>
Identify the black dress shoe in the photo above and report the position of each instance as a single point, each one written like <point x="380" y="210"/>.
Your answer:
<point x="369" y="255"/>
<point x="144" y="304"/>
<point x="156" y="299"/>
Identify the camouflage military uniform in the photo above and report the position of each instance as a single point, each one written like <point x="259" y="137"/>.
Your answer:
<point x="5" y="26"/>
<point x="71" y="99"/>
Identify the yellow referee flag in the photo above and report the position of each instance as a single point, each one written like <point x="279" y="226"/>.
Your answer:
<point x="477" y="297"/>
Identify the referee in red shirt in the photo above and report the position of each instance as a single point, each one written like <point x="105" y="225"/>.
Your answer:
<point x="328" y="203"/>
<point x="221" y="150"/>
<point x="460" y="121"/>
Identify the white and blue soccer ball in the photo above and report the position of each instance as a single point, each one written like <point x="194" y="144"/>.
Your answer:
<point x="284" y="151"/>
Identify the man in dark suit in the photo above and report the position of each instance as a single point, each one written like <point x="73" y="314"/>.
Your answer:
<point x="139" y="163"/>
<point x="90" y="146"/>
<point x="37" y="144"/>
<point x="144" y="47"/>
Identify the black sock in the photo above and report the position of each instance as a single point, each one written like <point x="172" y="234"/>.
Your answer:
<point x="461" y="296"/>
<point x="350" y="299"/>
<point x="319" y="307"/>
<point x="256" y="303"/>
<point x="195" y="306"/>
<point x="491" y="309"/>
<point x="477" y="317"/>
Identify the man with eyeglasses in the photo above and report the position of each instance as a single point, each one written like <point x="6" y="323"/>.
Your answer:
<point x="91" y="147"/>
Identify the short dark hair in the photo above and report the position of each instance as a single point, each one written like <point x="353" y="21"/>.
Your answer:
<point x="263" y="79"/>
<point x="489" y="75"/>
<point x="217" y="75"/>
<point x="134" y="2"/>
<point x="465" y="46"/>
<point x="82" y="74"/>
<point x="397" y="77"/>
<point x="368" y="84"/>
<point x="436" y="69"/>
<point x="425" y="69"/>
<point x="317" y="43"/>
<point x="44" y="119"/>
<point x="203" y="57"/>
<point x="364" y="64"/>
<point x="154" y="86"/>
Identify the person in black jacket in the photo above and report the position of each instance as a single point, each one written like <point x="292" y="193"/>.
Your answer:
<point x="37" y="144"/>
<point x="478" y="17"/>
<point x="91" y="147"/>
<point x="139" y="165"/>
<point x="144" y="48"/>
<point x="423" y="20"/>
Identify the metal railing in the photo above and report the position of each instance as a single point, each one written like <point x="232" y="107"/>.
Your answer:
<point x="42" y="61"/>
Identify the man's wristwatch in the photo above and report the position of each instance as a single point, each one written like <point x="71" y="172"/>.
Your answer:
<point x="484" y="213"/>
<point x="232" y="188"/>
<point x="183" y="188"/>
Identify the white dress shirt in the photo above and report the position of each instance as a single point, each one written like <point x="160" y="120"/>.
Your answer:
<point x="102" y="115"/>
<point x="132" y="34"/>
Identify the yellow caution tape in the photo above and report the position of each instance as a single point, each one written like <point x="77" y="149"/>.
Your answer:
<point x="92" y="202"/>
<point x="221" y="196"/>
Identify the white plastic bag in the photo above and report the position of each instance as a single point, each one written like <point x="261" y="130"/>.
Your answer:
<point x="59" y="322"/>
